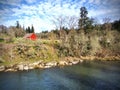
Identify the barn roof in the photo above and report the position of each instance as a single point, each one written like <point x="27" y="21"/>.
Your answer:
<point x="28" y="35"/>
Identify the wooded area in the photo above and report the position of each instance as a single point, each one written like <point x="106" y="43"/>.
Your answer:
<point x="74" y="37"/>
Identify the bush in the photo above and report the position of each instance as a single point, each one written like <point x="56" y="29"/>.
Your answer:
<point x="1" y="40"/>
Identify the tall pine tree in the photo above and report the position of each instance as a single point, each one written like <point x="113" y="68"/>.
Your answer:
<point x="83" y="18"/>
<point x="17" y="24"/>
<point x="29" y="30"/>
<point x="32" y="29"/>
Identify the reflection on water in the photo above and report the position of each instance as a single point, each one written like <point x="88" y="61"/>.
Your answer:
<point x="95" y="75"/>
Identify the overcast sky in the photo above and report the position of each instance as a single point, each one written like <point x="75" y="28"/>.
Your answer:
<point x="41" y="12"/>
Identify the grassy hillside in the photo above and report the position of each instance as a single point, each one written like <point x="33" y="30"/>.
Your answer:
<point x="96" y="45"/>
<point x="22" y="50"/>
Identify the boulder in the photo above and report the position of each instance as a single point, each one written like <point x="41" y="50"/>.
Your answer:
<point x="2" y="68"/>
<point x="51" y="63"/>
<point x="75" y="62"/>
<point x="10" y="70"/>
<point x="38" y="62"/>
<point x="69" y="63"/>
<point x="81" y="60"/>
<point x="26" y="67"/>
<point x="62" y="63"/>
<point x="31" y="67"/>
<point x="36" y="66"/>
<point x="21" y="67"/>
<point x="47" y="66"/>
<point x="41" y="66"/>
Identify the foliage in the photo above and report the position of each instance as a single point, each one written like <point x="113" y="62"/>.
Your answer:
<point x="83" y="17"/>
<point x="17" y="24"/>
<point x="30" y="29"/>
<point x="16" y="32"/>
<point x="116" y="25"/>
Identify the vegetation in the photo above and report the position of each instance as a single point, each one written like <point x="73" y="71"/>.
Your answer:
<point x="30" y="30"/>
<point x="85" y="38"/>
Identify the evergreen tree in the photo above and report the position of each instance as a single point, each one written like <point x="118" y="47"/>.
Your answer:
<point x="89" y="25"/>
<point x="17" y="24"/>
<point x="83" y="17"/>
<point x="29" y="30"/>
<point x="32" y="29"/>
<point x="116" y="25"/>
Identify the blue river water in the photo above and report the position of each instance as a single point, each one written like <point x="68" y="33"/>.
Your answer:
<point x="95" y="75"/>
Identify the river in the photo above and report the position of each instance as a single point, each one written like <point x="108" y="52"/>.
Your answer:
<point x="95" y="75"/>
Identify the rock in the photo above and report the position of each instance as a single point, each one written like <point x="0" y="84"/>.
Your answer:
<point x="31" y="66"/>
<point x="10" y="70"/>
<point x="70" y="60"/>
<point x="62" y="63"/>
<point x="75" y="62"/>
<point x="15" y="67"/>
<point x="37" y="63"/>
<point x="36" y="67"/>
<point x="2" y="68"/>
<point x="47" y="66"/>
<point x="81" y="61"/>
<point x="51" y="63"/>
<point x="21" y="67"/>
<point x="66" y="63"/>
<point x="26" y="67"/>
<point x="69" y="63"/>
<point x="41" y="66"/>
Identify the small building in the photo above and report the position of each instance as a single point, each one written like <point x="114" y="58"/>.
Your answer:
<point x="31" y="36"/>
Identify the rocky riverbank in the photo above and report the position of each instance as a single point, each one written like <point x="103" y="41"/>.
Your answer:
<point x="18" y="57"/>
<point x="39" y="65"/>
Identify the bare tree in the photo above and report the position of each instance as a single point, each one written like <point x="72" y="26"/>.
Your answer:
<point x="62" y="22"/>
<point x="72" y="22"/>
<point x="59" y="22"/>
<point x="97" y="25"/>
<point x="107" y="23"/>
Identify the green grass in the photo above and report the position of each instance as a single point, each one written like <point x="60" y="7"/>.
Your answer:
<point x="1" y="40"/>
<point x="37" y="50"/>
<point x="31" y="42"/>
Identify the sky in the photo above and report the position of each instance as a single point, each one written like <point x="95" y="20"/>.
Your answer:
<point x="40" y="13"/>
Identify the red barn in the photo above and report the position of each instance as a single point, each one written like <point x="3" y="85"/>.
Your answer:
<point x="31" y="36"/>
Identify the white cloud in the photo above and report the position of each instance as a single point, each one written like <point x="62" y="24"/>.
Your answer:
<point x="38" y="23"/>
<point x="42" y="13"/>
<point x="30" y="1"/>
